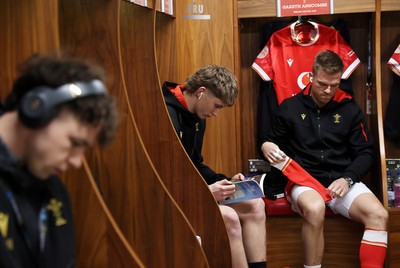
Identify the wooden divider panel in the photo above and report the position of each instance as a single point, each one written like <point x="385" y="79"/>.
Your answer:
<point x="211" y="41"/>
<point x="149" y="218"/>
<point x="25" y="29"/>
<point x="32" y="27"/>
<point x="99" y="241"/>
<point x="164" y="148"/>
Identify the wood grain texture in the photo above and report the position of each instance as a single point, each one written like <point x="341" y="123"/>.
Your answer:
<point x="170" y="160"/>
<point x="149" y="218"/>
<point x="25" y="29"/>
<point x="31" y="27"/>
<point x="390" y="5"/>
<point x="210" y="42"/>
<point x="379" y="141"/>
<point x="394" y="238"/>
<point x="342" y="242"/>
<point x="166" y="52"/>
<point x="99" y="241"/>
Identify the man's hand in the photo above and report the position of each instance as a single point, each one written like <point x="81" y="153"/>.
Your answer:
<point x="338" y="188"/>
<point x="238" y="177"/>
<point x="272" y="152"/>
<point x="222" y="189"/>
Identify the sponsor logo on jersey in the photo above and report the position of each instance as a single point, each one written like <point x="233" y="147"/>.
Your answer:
<point x="303" y="79"/>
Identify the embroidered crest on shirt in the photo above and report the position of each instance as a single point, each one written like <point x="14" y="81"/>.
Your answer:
<point x="336" y="118"/>
<point x="303" y="116"/>
<point x="55" y="207"/>
<point x="4" y="222"/>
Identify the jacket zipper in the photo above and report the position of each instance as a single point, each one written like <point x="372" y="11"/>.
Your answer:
<point x="319" y="134"/>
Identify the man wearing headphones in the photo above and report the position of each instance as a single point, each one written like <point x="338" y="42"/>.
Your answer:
<point x="57" y="109"/>
<point x="204" y="94"/>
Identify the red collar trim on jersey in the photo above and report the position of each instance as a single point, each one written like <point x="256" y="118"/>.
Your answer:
<point x="339" y="96"/>
<point x="178" y="93"/>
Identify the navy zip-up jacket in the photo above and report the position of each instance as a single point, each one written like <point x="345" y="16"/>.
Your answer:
<point x="23" y="243"/>
<point x="190" y="129"/>
<point x="329" y="142"/>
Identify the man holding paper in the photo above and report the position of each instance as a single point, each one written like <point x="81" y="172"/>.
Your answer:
<point x="325" y="134"/>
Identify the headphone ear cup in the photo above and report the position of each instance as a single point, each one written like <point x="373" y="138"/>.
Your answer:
<point x="33" y="110"/>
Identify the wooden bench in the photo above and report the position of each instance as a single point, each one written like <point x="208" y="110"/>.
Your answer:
<point x="284" y="247"/>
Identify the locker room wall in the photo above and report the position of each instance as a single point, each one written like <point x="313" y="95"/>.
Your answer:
<point x="161" y="142"/>
<point x="116" y="35"/>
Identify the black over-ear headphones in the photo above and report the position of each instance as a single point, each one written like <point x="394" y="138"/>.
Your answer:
<point x="40" y="105"/>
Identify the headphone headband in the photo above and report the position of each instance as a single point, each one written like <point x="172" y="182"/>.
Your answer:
<point x="40" y="105"/>
<point x="70" y="91"/>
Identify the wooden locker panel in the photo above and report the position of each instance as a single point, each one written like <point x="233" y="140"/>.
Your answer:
<point x="149" y="218"/>
<point x="210" y="41"/>
<point x="25" y="29"/>
<point x="182" y="180"/>
<point x="99" y="241"/>
<point x="284" y="247"/>
<point x="32" y="27"/>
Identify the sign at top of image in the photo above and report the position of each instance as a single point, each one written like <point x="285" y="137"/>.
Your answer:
<point x="287" y="8"/>
<point x="195" y="11"/>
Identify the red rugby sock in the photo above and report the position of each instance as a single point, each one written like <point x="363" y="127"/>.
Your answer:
<point x="298" y="175"/>
<point x="373" y="248"/>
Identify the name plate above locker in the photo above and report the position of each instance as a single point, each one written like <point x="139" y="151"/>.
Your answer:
<point x="267" y="8"/>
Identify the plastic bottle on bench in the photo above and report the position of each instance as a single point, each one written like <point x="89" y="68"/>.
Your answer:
<point x="396" y="188"/>
<point x="390" y="190"/>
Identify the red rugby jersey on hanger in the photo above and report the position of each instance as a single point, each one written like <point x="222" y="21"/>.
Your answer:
<point x="287" y="60"/>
